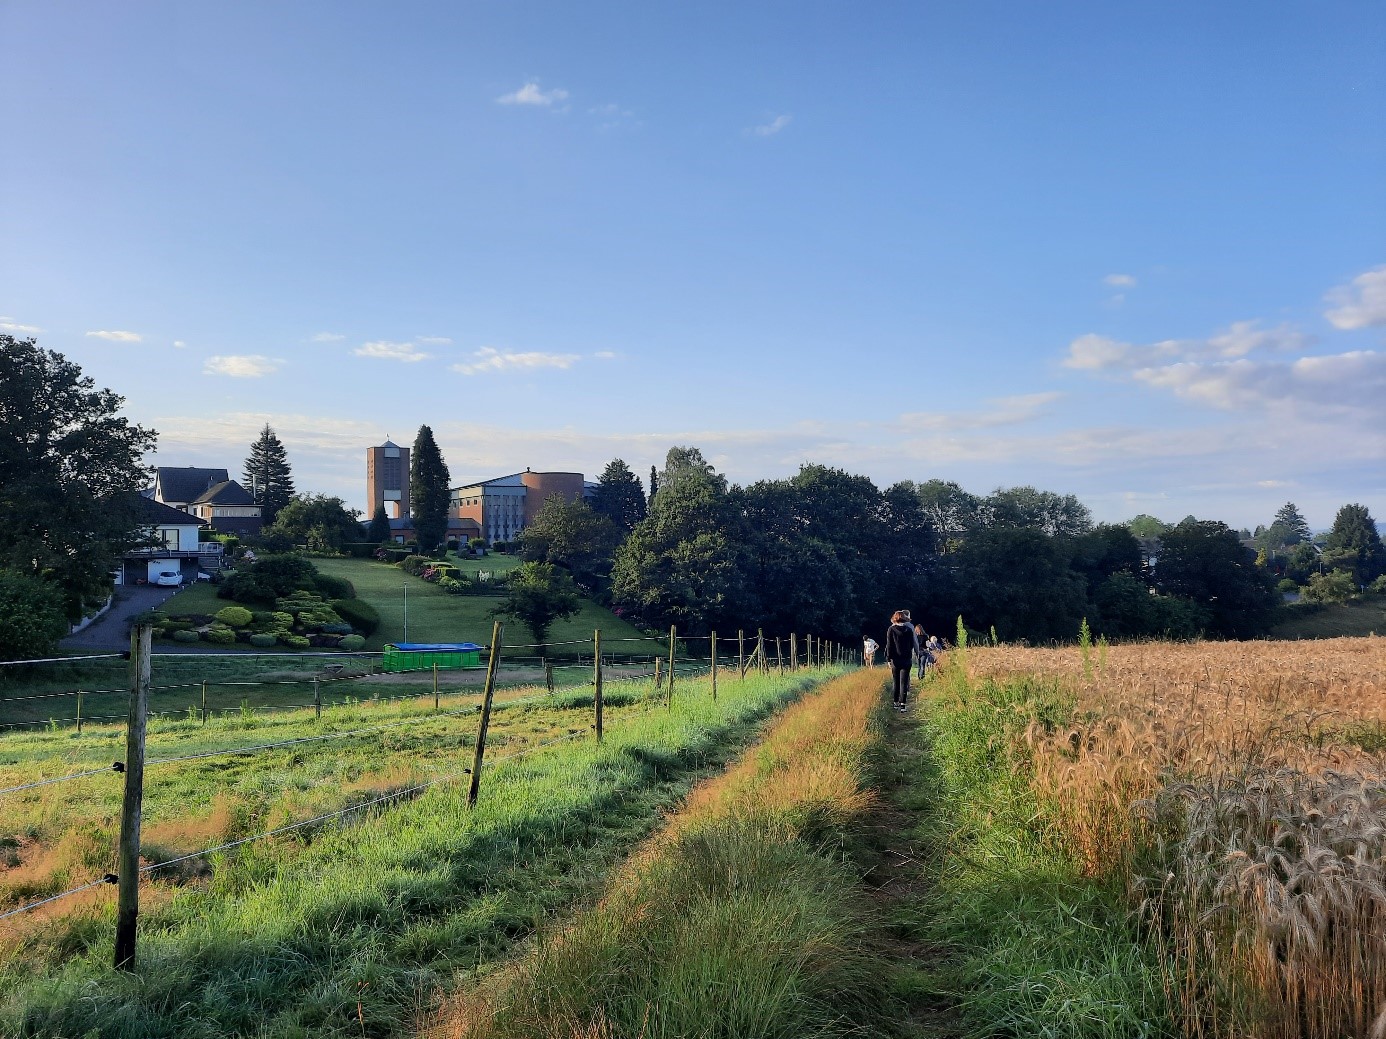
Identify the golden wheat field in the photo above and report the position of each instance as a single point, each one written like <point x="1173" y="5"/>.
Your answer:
<point x="1239" y="789"/>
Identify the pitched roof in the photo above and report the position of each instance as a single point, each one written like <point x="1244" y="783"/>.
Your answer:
<point x="184" y="484"/>
<point x="228" y="492"/>
<point x="157" y="514"/>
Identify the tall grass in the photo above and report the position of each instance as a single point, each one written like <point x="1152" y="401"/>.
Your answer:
<point x="1239" y="790"/>
<point x="354" y="930"/>
<point x="740" y="919"/>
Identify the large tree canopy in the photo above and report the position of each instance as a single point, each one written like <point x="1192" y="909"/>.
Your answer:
<point x="268" y="476"/>
<point x="538" y="595"/>
<point x="428" y="491"/>
<point x="619" y="496"/>
<point x="320" y="522"/>
<point x="1205" y="561"/>
<point x="71" y="468"/>
<point x="570" y="534"/>
<point x="1354" y="545"/>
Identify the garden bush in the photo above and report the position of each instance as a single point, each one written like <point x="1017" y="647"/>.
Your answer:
<point x="338" y="628"/>
<point x="352" y="643"/>
<point x="235" y="616"/>
<point x="360" y="615"/>
<point x="331" y="587"/>
<point x="295" y="641"/>
<point x="186" y="635"/>
<point x="263" y="640"/>
<point x="220" y="636"/>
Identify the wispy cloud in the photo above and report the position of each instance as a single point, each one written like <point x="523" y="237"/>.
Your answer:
<point x="327" y="337"/>
<point x="1094" y="352"/>
<point x="178" y="344"/>
<point x="531" y="94"/>
<point x="241" y="366"/>
<point x="433" y="340"/>
<point x="1360" y="304"/>
<point x="605" y="355"/>
<point x="1000" y="411"/>
<point x="118" y="337"/>
<point x="10" y="325"/>
<point x="388" y="351"/>
<point x="488" y="359"/>
<point x="1120" y="281"/>
<point x="771" y="128"/>
<point x="1354" y="381"/>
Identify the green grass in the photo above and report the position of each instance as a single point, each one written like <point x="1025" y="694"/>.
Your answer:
<point x="352" y="931"/>
<point x="199" y="597"/>
<point x="1365" y="616"/>
<point x="1033" y="948"/>
<point x="435" y="616"/>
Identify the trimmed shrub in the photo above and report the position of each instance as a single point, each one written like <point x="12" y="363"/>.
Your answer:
<point x="263" y="640"/>
<point x="235" y="616"/>
<point x="220" y="636"/>
<point x="336" y="629"/>
<point x="362" y="616"/>
<point x="282" y="619"/>
<point x="243" y="587"/>
<point x="352" y="643"/>
<point x="295" y="641"/>
<point x="334" y="587"/>
<point x="186" y="635"/>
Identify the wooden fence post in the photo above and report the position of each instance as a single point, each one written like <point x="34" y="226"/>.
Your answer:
<point x="317" y="699"/>
<point x="204" y="702"/>
<point x="131" y="809"/>
<point x="741" y="652"/>
<point x="597" y="680"/>
<point x="760" y="650"/>
<point x="435" y="685"/>
<point x="79" y="710"/>
<point x="793" y="652"/>
<point x="492" y="661"/>
<point x="779" y="657"/>
<point x="548" y="674"/>
<point x="714" y="665"/>
<point x="673" y="635"/>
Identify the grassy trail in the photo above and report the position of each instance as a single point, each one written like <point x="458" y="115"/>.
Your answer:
<point x="354" y="930"/>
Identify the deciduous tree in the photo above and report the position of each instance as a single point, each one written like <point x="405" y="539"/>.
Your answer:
<point x="570" y="534"/>
<point x="71" y="468"/>
<point x="538" y="595"/>
<point x="267" y="474"/>
<point x="322" y="523"/>
<point x="1205" y="561"/>
<point x="1354" y="545"/>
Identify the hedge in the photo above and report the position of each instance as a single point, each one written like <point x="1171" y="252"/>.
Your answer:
<point x="360" y="615"/>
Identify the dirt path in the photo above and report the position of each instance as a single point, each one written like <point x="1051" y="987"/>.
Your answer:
<point x="898" y="880"/>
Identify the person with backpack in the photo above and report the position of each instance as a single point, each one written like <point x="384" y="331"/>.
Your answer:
<point x="922" y="651"/>
<point x="900" y="645"/>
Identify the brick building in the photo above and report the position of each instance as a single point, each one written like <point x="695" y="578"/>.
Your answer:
<point x="504" y="506"/>
<point x="387" y="480"/>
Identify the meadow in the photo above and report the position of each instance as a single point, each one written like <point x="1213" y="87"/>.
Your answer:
<point x="356" y="926"/>
<point x="1161" y="839"/>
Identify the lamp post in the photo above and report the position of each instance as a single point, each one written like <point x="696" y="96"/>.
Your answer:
<point x="405" y="586"/>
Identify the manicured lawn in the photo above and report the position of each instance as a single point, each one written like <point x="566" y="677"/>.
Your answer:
<point x="195" y="598"/>
<point x="1366" y="616"/>
<point x="435" y="616"/>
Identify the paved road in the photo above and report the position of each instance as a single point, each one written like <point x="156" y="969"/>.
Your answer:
<point x="111" y="632"/>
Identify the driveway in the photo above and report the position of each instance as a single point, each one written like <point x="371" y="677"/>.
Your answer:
<point x="110" y="632"/>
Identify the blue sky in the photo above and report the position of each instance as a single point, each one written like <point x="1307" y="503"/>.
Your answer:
<point x="1134" y="252"/>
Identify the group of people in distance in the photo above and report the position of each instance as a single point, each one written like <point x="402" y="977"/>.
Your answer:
<point x="906" y="646"/>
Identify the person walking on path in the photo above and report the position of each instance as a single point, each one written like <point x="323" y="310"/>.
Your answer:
<point x="900" y="645"/>
<point x="921" y="651"/>
<point x="868" y="651"/>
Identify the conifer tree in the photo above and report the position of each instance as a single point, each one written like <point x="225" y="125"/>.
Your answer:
<point x="654" y="483"/>
<point x="379" y="530"/>
<point x="428" y="491"/>
<point x="268" y="476"/>
<point x="619" y="496"/>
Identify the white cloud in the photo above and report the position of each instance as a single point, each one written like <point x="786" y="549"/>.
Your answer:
<point x="327" y="337"/>
<point x="385" y="350"/>
<point x="771" y="128"/>
<point x="489" y="359"/>
<point x="1120" y="281"/>
<point x="1360" y="304"/>
<point x="1094" y="352"/>
<point x="118" y="337"/>
<point x="433" y="340"/>
<point x="605" y="355"/>
<point x="1002" y="411"/>
<point x="10" y="325"/>
<point x="178" y="344"/>
<point x="241" y="366"/>
<point x="1309" y="386"/>
<point x="530" y="94"/>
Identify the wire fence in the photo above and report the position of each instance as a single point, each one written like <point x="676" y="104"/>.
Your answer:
<point x="665" y="661"/>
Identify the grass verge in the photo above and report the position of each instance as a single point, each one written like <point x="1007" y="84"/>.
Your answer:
<point x="1030" y="946"/>
<point x="353" y="930"/>
<point x="744" y="917"/>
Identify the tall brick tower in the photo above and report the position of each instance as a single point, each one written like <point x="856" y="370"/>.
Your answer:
<point x="387" y="479"/>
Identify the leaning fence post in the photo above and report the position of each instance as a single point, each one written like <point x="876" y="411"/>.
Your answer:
<point x="673" y="635"/>
<point x="714" y="665"/>
<point x="317" y="699"/>
<point x="741" y="652"/>
<point x="435" y="685"/>
<point x="548" y="674"/>
<point x="597" y="679"/>
<point x="79" y="710"/>
<point x="128" y="870"/>
<point x="486" y="695"/>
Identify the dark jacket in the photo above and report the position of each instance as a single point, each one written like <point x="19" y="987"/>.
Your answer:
<point x="900" y="641"/>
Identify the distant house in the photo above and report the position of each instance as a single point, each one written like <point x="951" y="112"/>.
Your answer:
<point x="210" y="495"/>
<point x="402" y="529"/>
<point x="170" y="544"/>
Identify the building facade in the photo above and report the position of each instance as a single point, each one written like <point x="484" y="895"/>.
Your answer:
<point x="504" y="506"/>
<point x="387" y="480"/>
<point x="210" y="495"/>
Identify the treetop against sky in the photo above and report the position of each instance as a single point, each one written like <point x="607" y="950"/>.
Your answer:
<point x="1133" y="254"/>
